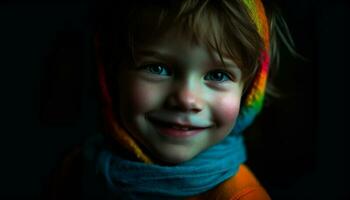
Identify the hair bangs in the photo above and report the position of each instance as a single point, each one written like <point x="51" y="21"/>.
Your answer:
<point x="224" y="26"/>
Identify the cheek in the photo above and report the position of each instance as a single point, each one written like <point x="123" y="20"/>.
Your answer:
<point x="227" y="109"/>
<point x="140" y="97"/>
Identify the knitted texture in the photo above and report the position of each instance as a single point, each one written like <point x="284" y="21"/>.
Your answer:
<point x="255" y="98"/>
<point x="118" y="133"/>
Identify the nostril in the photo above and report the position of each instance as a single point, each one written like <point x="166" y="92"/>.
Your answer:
<point x="185" y="102"/>
<point x="185" y="107"/>
<point x="195" y="109"/>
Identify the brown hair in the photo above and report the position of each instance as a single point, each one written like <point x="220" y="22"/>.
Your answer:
<point x="223" y="25"/>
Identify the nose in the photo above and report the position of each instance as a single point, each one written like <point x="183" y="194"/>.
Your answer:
<point x="186" y="96"/>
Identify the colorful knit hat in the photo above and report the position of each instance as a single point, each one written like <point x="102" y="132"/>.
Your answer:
<point x="249" y="109"/>
<point x="256" y="93"/>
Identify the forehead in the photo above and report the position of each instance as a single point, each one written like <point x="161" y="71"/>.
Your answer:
<point x="175" y="41"/>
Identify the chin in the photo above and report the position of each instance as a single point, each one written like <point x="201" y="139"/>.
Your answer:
<point x="173" y="156"/>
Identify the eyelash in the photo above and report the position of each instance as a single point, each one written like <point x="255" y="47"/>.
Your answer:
<point x="164" y="69"/>
<point x="225" y="74"/>
<point x="148" y="67"/>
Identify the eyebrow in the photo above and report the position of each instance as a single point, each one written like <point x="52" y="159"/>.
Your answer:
<point x="225" y="60"/>
<point x="153" y="53"/>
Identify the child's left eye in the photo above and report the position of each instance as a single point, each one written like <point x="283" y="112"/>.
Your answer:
<point x="158" y="69"/>
<point x="218" y="76"/>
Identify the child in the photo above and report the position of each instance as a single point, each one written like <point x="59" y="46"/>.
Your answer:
<point x="180" y="81"/>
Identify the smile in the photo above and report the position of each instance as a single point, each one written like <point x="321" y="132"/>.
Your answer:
<point x="176" y="130"/>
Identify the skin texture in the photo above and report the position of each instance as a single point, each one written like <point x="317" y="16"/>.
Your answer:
<point x="181" y="82"/>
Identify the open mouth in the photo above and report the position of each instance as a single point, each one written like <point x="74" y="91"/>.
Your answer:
<point x="174" y="126"/>
<point x="175" y="130"/>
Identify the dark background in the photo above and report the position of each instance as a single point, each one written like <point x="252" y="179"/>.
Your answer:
<point x="297" y="147"/>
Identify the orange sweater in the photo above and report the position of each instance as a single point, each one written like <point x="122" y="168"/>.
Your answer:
<point x="242" y="186"/>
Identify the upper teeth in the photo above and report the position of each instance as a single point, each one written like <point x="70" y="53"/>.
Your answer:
<point x="181" y="127"/>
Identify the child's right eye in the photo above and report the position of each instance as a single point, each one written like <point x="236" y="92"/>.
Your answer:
<point x="158" y="69"/>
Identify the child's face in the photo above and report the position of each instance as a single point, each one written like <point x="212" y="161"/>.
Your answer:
<point x="179" y="99"/>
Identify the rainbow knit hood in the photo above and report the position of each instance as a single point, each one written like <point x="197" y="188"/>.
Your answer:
<point x="249" y="109"/>
<point x="255" y="98"/>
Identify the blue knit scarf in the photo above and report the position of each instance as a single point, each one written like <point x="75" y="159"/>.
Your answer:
<point x="136" y="180"/>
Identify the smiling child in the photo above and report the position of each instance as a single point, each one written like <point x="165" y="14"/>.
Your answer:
<point x="179" y="81"/>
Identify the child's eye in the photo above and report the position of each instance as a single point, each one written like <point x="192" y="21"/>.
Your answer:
<point x="158" y="69"/>
<point x="218" y="76"/>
